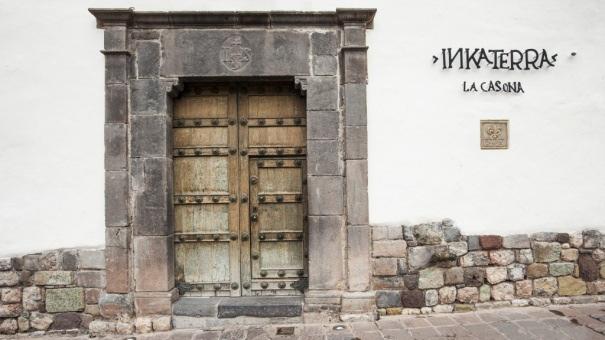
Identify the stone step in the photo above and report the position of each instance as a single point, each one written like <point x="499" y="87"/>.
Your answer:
<point x="231" y="307"/>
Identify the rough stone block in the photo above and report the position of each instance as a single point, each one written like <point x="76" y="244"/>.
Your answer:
<point x="153" y="263"/>
<point x="92" y="259"/>
<point x="53" y="278"/>
<point x="6" y="263"/>
<point x="116" y="144"/>
<point x="12" y="310"/>
<point x="388" y="298"/>
<point x="356" y="142"/>
<point x="428" y="234"/>
<point x="148" y="97"/>
<point x="325" y="43"/>
<point x="490" y="242"/>
<point x="116" y="68"/>
<point x="502" y="257"/>
<point x="546" y="251"/>
<point x="8" y="326"/>
<point x="523" y="288"/>
<point x="515" y="241"/>
<point x="322" y="125"/>
<point x="355" y="105"/>
<point x="504" y="291"/>
<point x="90" y="278"/>
<point x="536" y="270"/>
<point x="576" y="239"/>
<point x="150" y="136"/>
<point x="116" y="198"/>
<point x="117" y="270"/>
<point x="322" y="93"/>
<point x="148" y="58"/>
<point x="516" y="271"/>
<point x="357" y="192"/>
<point x="454" y="276"/>
<point x="474" y="276"/>
<point x="325" y="65"/>
<point x="116" y="103"/>
<point x="569" y="286"/>
<point x="475" y="258"/>
<point x="8" y="279"/>
<point x="162" y="323"/>
<point x="69" y="259"/>
<point x="49" y="260"/>
<point x="430" y="278"/>
<point x="389" y="248"/>
<point x="589" y="269"/>
<point x="91" y="295"/>
<point x="10" y="295"/>
<point x="447" y="295"/>
<point x="420" y="257"/>
<point x="570" y="254"/>
<point x="431" y="297"/>
<point x="412" y="298"/>
<point x="112" y="305"/>
<point x="64" y="321"/>
<point x="545" y="287"/>
<point x="41" y="321"/>
<point x="485" y="293"/>
<point x="355" y="66"/>
<point x="358" y="257"/>
<point x="545" y="236"/>
<point x="496" y="274"/>
<point x="560" y="268"/>
<point x="468" y="295"/>
<point x="592" y="238"/>
<point x="324" y="158"/>
<point x="457" y="248"/>
<point x="32" y="298"/>
<point x="64" y="300"/>
<point x="473" y="242"/>
<point x="325" y="233"/>
<point x="385" y="266"/>
<point x="272" y="53"/>
<point x="326" y="196"/>
<point x="153" y="205"/>
<point x="525" y="256"/>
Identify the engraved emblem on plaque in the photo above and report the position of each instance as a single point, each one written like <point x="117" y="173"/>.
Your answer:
<point x="494" y="134"/>
<point x="234" y="53"/>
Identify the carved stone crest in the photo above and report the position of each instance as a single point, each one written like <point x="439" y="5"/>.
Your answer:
<point x="494" y="134"/>
<point x="235" y="54"/>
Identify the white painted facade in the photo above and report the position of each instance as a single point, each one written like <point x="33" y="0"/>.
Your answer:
<point x="424" y="157"/>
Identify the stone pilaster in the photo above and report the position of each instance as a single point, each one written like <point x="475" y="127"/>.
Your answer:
<point x="358" y="298"/>
<point x="117" y="217"/>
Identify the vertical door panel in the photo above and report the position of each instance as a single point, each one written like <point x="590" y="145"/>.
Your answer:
<point x="205" y="189"/>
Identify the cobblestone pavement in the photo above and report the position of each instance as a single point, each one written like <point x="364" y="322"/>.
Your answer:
<point x="577" y="322"/>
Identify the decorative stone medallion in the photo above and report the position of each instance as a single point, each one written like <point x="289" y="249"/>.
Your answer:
<point x="235" y="54"/>
<point x="494" y="134"/>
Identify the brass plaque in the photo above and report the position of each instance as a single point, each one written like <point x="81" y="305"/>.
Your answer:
<point x="494" y="134"/>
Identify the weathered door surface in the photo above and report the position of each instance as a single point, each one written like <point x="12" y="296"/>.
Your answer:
<point x="240" y="193"/>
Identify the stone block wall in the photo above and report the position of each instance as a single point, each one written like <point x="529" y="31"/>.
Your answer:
<point x="434" y="268"/>
<point x="53" y="291"/>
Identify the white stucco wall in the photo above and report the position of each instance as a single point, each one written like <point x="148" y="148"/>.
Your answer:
<point x="425" y="161"/>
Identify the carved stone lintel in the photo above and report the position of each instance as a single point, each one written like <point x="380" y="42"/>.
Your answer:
<point x="301" y="84"/>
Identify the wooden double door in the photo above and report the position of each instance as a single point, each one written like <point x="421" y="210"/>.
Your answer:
<point x="240" y="190"/>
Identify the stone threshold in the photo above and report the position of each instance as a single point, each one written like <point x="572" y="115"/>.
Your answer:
<point x="233" y="307"/>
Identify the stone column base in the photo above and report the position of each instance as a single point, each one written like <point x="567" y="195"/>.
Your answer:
<point x="155" y="303"/>
<point x="358" y="306"/>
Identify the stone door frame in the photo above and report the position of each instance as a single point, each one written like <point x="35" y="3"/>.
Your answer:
<point x="142" y="75"/>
